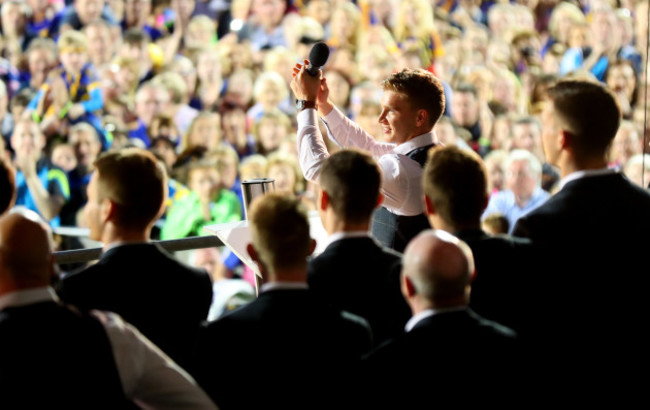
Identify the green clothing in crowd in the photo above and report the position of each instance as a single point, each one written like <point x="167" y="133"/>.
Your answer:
<point x="185" y="217"/>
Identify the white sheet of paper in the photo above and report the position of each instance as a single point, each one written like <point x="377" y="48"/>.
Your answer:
<point x="236" y="236"/>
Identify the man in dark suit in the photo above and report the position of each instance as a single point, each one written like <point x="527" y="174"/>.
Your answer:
<point x="455" y="188"/>
<point x="355" y="273"/>
<point x="57" y="356"/>
<point x="599" y="289"/>
<point x="283" y="349"/>
<point x="162" y="297"/>
<point x="445" y="342"/>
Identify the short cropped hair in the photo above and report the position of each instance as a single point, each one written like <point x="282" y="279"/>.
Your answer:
<point x="136" y="182"/>
<point x="136" y="37"/>
<point x="72" y="39"/>
<point x="455" y="180"/>
<point x="589" y="112"/>
<point x="351" y="179"/>
<point x="280" y="230"/>
<point x="424" y="91"/>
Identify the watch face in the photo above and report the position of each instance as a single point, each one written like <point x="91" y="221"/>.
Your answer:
<point x="300" y="104"/>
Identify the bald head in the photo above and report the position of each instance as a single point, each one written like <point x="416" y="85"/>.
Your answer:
<point x="437" y="270"/>
<point x="25" y="253"/>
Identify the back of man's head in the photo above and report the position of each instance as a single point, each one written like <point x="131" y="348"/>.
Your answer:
<point x="25" y="252"/>
<point x="280" y="231"/>
<point x="351" y="180"/>
<point x="455" y="182"/>
<point x="423" y="89"/>
<point x="135" y="182"/>
<point x="589" y="112"/>
<point x="439" y="268"/>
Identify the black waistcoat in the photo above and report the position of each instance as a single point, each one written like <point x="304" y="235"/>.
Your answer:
<point x="395" y="231"/>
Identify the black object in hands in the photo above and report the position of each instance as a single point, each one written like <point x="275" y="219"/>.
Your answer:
<point x="318" y="56"/>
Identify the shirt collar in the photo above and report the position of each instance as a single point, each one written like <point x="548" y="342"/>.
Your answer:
<point x="28" y="297"/>
<point x="427" y="313"/>
<point x="282" y="286"/>
<point x="117" y="244"/>
<point x="337" y="236"/>
<point x="417" y="142"/>
<point x="585" y="173"/>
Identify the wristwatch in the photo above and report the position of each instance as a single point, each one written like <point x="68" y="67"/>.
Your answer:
<point x="302" y="104"/>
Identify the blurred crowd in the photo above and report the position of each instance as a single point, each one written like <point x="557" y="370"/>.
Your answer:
<point x="204" y="85"/>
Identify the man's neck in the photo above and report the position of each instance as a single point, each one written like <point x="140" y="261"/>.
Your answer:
<point x="116" y="234"/>
<point x="339" y="226"/>
<point x="570" y="164"/>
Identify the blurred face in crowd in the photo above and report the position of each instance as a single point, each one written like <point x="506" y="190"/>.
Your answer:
<point x="602" y="28"/>
<point x="270" y="95"/>
<point x="320" y="10"/>
<point x="137" y="12"/>
<point x="149" y="103"/>
<point x="100" y="46"/>
<point x="521" y="180"/>
<point x="27" y="140"/>
<point x="526" y="136"/>
<point x="205" y="182"/>
<point x="13" y="19"/>
<point x="86" y="147"/>
<point x="284" y="176"/>
<point x="271" y="133"/>
<point x="339" y="88"/>
<point x="465" y="109"/>
<point x="207" y="259"/>
<point x="626" y="144"/>
<point x="622" y="79"/>
<point x="40" y="62"/>
<point x="137" y="52"/>
<point x="205" y="133"/>
<point x="64" y="158"/>
<point x="73" y="60"/>
<point x="208" y="68"/>
<point x="269" y="12"/>
<point x="88" y="10"/>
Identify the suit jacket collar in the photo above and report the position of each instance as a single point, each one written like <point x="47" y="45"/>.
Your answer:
<point x="425" y="317"/>
<point x="575" y="176"/>
<point x="130" y="247"/>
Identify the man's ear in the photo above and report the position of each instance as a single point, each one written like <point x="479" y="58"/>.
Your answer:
<point x="312" y="246"/>
<point x="108" y="210"/>
<point x="408" y="290"/>
<point x="429" y="209"/>
<point x="486" y="201"/>
<point x="252" y="253"/>
<point x="380" y="200"/>
<point x="422" y="117"/>
<point x="565" y="139"/>
<point x="323" y="200"/>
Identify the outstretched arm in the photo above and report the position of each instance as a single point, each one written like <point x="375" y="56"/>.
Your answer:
<point x="312" y="151"/>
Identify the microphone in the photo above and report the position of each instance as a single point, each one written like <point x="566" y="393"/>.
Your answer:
<point x="318" y="56"/>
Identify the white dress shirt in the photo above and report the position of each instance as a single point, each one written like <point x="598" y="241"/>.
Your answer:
<point x="584" y="174"/>
<point x="149" y="378"/>
<point x="401" y="176"/>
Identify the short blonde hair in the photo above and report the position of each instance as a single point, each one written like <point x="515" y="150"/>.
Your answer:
<point x="278" y="158"/>
<point x="270" y="77"/>
<point x="72" y="40"/>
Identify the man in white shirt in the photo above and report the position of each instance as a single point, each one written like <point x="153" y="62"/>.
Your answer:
<point x="412" y="103"/>
<point x="56" y="356"/>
